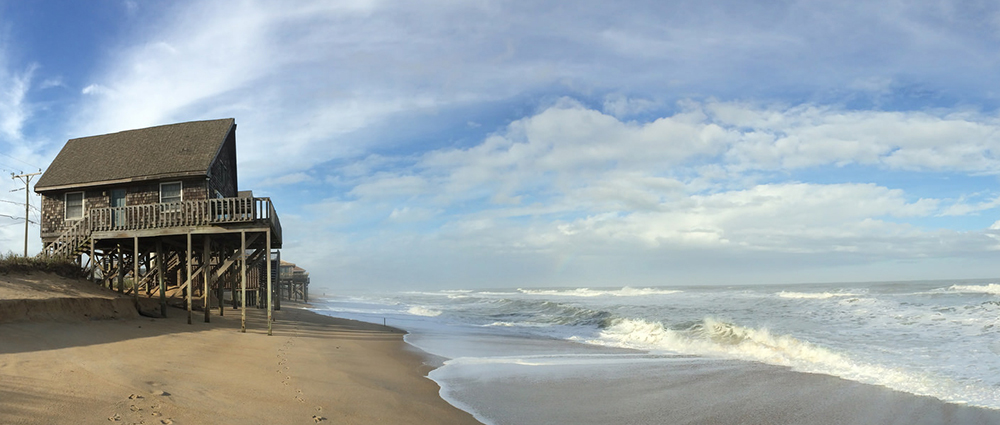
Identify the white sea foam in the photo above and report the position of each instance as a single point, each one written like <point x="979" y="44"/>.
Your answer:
<point x="715" y="338"/>
<point x="586" y="292"/>
<point x="423" y="311"/>
<point x="903" y="336"/>
<point x="992" y="289"/>
<point x="814" y="295"/>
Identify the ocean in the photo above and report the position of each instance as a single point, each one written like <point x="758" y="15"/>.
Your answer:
<point x="636" y="354"/>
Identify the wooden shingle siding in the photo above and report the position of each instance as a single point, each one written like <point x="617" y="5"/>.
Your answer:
<point x="54" y="206"/>
<point x="223" y="171"/>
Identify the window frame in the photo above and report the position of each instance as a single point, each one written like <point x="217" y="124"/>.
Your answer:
<point x="180" y="191"/>
<point x="83" y="203"/>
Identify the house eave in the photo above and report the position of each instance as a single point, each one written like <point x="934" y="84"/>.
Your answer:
<point x="184" y="174"/>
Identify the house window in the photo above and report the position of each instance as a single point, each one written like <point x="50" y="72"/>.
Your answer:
<point x="170" y="192"/>
<point x="74" y="205"/>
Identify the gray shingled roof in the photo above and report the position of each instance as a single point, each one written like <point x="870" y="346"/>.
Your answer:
<point x="166" y="151"/>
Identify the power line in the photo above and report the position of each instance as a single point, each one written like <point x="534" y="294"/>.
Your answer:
<point x="20" y="160"/>
<point x="17" y="218"/>
<point x="20" y="204"/>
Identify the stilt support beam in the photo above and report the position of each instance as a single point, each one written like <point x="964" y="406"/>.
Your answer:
<point x="267" y="250"/>
<point x="161" y="269"/>
<point x="189" y="277"/>
<point x="243" y="282"/>
<point x="206" y="276"/>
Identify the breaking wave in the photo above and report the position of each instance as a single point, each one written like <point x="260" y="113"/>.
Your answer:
<point x="423" y="311"/>
<point x="586" y="292"/>
<point x="992" y="289"/>
<point x="720" y="339"/>
<point x="814" y="295"/>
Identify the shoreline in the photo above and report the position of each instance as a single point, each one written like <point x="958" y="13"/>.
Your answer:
<point x="314" y="369"/>
<point x="524" y="378"/>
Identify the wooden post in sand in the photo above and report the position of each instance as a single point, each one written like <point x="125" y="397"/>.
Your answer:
<point x="121" y="268"/>
<point x="243" y="281"/>
<point x="206" y="273"/>
<point x="220" y="284"/>
<point x="93" y="261"/>
<point x="189" y="283"/>
<point x="135" y="269"/>
<point x="161" y="268"/>
<point x="267" y="248"/>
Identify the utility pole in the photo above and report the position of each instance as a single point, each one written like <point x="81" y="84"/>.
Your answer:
<point x="26" y="178"/>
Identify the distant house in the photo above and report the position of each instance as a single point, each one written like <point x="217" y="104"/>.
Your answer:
<point x="293" y="282"/>
<point x="161" y="207"/>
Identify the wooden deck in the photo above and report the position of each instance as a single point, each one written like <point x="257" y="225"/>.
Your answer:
<point x="222" y="215"/>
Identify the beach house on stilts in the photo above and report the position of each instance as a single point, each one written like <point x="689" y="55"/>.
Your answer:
<point x="157" y="213"/>
<point x="293" y="282"/>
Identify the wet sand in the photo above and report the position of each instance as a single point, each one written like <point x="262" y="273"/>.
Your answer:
<point x="687" y="391"/>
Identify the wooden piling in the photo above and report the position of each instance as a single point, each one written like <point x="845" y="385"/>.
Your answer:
<point x="220" y="286"/>
<point x="93" y="261"/>
<point x="206" y="274"/>
<point x="243" y="281"/>
<point x="135" y="269"/>
<point x="267" y="250"/>
<point x="120" y="268"/>
<point x="189" y="283"/>
<point x="161" y="269"/>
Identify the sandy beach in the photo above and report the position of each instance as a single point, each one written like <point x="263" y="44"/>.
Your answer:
<point x="58" y="369"/>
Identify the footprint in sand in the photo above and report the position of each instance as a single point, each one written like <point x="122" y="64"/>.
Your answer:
<point x="166" y="421"/>
<point x="117" y="417"/>
<point x="318" y="419"/>
<point x="134" y="397"/>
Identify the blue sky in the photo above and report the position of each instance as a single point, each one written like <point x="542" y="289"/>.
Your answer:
<point x="445" y="144"/>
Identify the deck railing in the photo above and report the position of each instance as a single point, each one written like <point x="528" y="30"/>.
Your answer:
<point x="207" y="212"/>
<point x="186" y="213"/>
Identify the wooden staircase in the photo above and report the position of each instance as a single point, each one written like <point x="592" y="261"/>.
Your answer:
<point x="71" y="243"/>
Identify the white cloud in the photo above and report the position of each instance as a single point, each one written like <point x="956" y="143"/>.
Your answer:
<point x="52" y="82"/>
<point x="95" y="89"/>
<point x="288" y="179"/>
<point x="795" y="217"/>
<point x="621" y="106"/>
<point x="571" y="179"/>
<point x="14" y="109"/>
